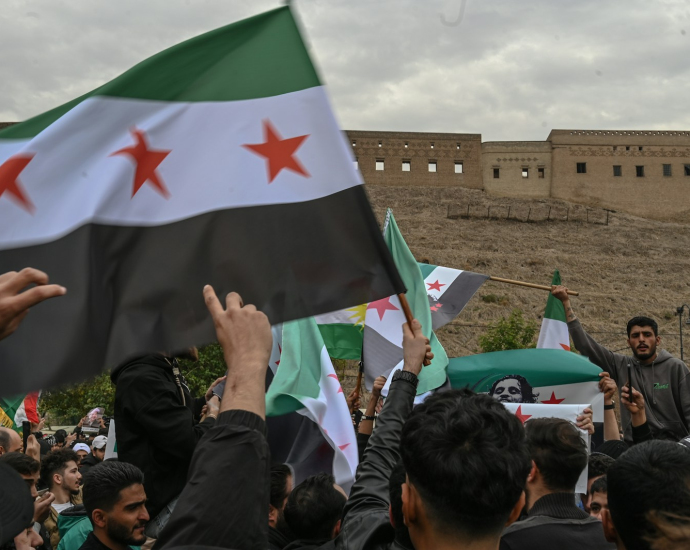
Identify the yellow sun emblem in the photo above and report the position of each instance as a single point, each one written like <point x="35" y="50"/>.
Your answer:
<point x="358" y="315"/>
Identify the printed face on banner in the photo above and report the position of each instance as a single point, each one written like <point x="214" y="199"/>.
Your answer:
<point x="513" y="389"/>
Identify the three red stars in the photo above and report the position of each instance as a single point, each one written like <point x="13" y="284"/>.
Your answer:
<point x="147" y="160"/>
<point x="435" y="286"/>
<point x="9" y="182"/>
<point x="436" y="306"/>
<point x="553" y="400"/>
<point x="523" y="417"/>
<point x="381" y="306"/>
<point x="279" y="153"/>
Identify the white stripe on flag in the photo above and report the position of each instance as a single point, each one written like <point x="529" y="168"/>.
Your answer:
<point x="444" y="276"/>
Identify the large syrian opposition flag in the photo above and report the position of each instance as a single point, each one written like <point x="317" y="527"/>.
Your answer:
<point x="554" y="327"/>
<point x="217" y="161"/>
<point x="305" y="382"/>
<point x="383" y="336"/>
<point x="545" y="376"/>
<point x="449" y="290"/>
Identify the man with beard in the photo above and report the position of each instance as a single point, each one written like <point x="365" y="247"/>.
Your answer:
<point x="279" y="534"/>
<point x="660" y="378"/>
<point x="115" y="502"/>
<point x="60" y="474"/>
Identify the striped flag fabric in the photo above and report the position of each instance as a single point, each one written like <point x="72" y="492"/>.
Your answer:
<point x="449" y="290"/>
<point x="342" y="331"/>
<point x="382" y="343"/>
<point x="546" y="376"/>
<point x="217" y="161"/>
<point x="14" y="411"/>
<point x="306" y="384"/>
<point x="554" y="327"/>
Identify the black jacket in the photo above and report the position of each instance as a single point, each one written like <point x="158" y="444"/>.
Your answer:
<point x="154" y="427"/>
<point x="225" y="502"/>
<point x="92" y="543"/>
<point x="555" y="521"/>
<point x="276" y="539"/>
<point x="88" y="462"/>
<point x="366" y="522"/>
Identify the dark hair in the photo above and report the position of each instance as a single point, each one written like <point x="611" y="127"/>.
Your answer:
<point x="466" y="456"/>
<point x="279" y="485"/>
<point x="104" y="482"/>
<point x="60" y="436"/>
<point x="558" y="451"/>
<point x="55" y="462"/>
<point x="642" y="321"/>
<point x="314" y="508"/>
<point x="599" y="486"/>
<point x="526" y="389"/>
<point x="613" y="448"/>
<point x="395" y="483"/>
<point x="21" y="463"/>
<point x="652" y="479"/>
<point x="598" y="464"/>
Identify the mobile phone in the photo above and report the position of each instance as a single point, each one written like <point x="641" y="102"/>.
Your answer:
<point x="26" y="430"/>
<point x="630" y="386"/>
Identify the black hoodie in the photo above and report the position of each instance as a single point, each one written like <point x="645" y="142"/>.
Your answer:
<point x="155" y="426"/>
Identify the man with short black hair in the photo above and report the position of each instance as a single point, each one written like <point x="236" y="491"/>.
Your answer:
<point x="466" y="462"/>
<point x="314" y="510"/>
<point x="597" y="466"/>
<point x="10" y="442"/>
<point x="553" y="519"/>
<point x="649" y="497"/>
<point x="60" y="473"/>
<point x="30" y="471"/>
<point x="115" y="502"/>
<point x="661" y="378"/>
<point x="96" y="455"/>
<point x="279" y="535"/>
<point x="599" y="498"/>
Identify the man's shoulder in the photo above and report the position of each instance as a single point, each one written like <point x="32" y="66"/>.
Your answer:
<point x="537" y="522"/>
<point x="537" y="529"/>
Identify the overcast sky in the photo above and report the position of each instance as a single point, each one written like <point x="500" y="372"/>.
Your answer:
<point x="508" y="69"/>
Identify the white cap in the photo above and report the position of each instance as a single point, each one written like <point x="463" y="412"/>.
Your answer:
<point x="100" y="442"/>
<point x="81" y="447"/>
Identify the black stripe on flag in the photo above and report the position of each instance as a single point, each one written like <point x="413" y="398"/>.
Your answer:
<point x="134" y="290"/>
<point x="455" y="298"/>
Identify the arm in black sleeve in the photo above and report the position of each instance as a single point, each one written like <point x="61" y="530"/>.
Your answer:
<point x="641" y="433"/>
<point x="362" y="442"/>
<point x="225" y="501"/>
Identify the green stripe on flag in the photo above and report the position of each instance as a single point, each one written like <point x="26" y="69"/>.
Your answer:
<point x="426" y="269"/>
<point x="554" y="307"/>
<point x="262" y="56"/>
<point x="343" y="341"/>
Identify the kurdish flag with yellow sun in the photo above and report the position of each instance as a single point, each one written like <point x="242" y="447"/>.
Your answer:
<point x="342" y="331"/>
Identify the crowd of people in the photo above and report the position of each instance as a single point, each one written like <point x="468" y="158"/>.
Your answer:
<point x="456" y="471"/>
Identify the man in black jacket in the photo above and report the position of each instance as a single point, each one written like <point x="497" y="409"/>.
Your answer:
<point x="156" y="430"/>
<point x="559" y="455"/>
<point x="279" y="535"/>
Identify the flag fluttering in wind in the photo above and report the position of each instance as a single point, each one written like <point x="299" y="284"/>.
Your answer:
<point x="554" y="327"/>
<point x="14" y="411"/>
<point x="384" y="319"/>
<point x="305" y="382"/>
<point x="343" y="331"/>
<point x="218" y="161"/>
<point x="546" y="376"/>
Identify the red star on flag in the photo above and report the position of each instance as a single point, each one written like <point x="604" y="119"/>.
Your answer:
<point x="435" y="286"/>
<point x="280" y="352"/>
<point x="522" y="417"/>
<point x="9" y="182"/>
<point x="147" y="160"/>
<point x="340" y="388"/>
<point x="343" y="447"/>
<point x="278" y="152"/>
<point x="566" y="348"/>
<point x="436" y="306"/>
<point x="553" y="400"/>
<point x="381" y="306"/>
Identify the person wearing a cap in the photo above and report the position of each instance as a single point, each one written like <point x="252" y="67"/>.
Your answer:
<point x="97" y="454"/>
<point x="16" y="511"/>
<point x="82" y="450"/>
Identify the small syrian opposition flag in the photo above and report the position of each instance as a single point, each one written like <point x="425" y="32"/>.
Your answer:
<point x="14" y="411"/>
<point x="570" y="413"/>
<point x="218" y="161"/>
<point x="546" y="376"/>
<point x="383" y="336"/>
<point x="554" y="327"/>
<point x="449" y="290"/>
<point x="342" y="331"/>
<point x="305" y="382"/>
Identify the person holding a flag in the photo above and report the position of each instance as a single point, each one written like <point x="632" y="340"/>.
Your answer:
<point x="661" y="378"/>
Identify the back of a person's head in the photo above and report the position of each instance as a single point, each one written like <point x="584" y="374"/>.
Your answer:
<point x="395" y="483"/>
<point x="60" y="436"/>
<point x="280" y="474"/>
<point x="466" y="457"/>
<point x="613" y="448"/>
<point x="55" y="462"/>
<point x="103" y="483"/>
<point x="598" y="464"/>
<point x="649" y="496"/>
<point x="21" y="463"/>
<point x="558" y="451"/>
<point x="314" y="508"/>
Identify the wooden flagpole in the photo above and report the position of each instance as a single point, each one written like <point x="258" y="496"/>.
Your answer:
<point x="528" y="285"/>
<point x="408" y="316"/>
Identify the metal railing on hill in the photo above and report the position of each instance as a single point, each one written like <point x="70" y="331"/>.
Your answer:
<point x="530" y="214"/>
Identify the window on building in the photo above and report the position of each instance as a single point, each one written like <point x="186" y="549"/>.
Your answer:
<point x="457" y="146"/>
<point x="639" y="148"/>
<point x="405" y="145"/>
<point x="354" y="143"/>
<point x="617" y="171"/>
<point x="406" y="166"/>
<point x="432" y="166"/>
<point x="639" y="171"/>
<point x="380" y="144"/>
<point x="581" y="167"/>
<point x="497" y="172"/>
<point x="667" y="170"/>
<point x="432" y="145"/>
<point x="458" y="167"/>
<point x="627" y="147"/>
<point x="615" y="148"/>
<point x="541" y="172"/>
<point x="379" y="164"/>
<point x="356" y="161"/>
<point x="687" y="169"/>
<point x="525" y="172"/>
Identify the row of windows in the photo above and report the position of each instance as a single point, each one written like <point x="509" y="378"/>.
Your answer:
<point x="407" y="165"/>
<point x="666" y="170"/>
<point x="431" y="144"/>
<point x="541" y="173"/>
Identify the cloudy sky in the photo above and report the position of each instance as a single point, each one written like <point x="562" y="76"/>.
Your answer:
<point x="508" y="69"/>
